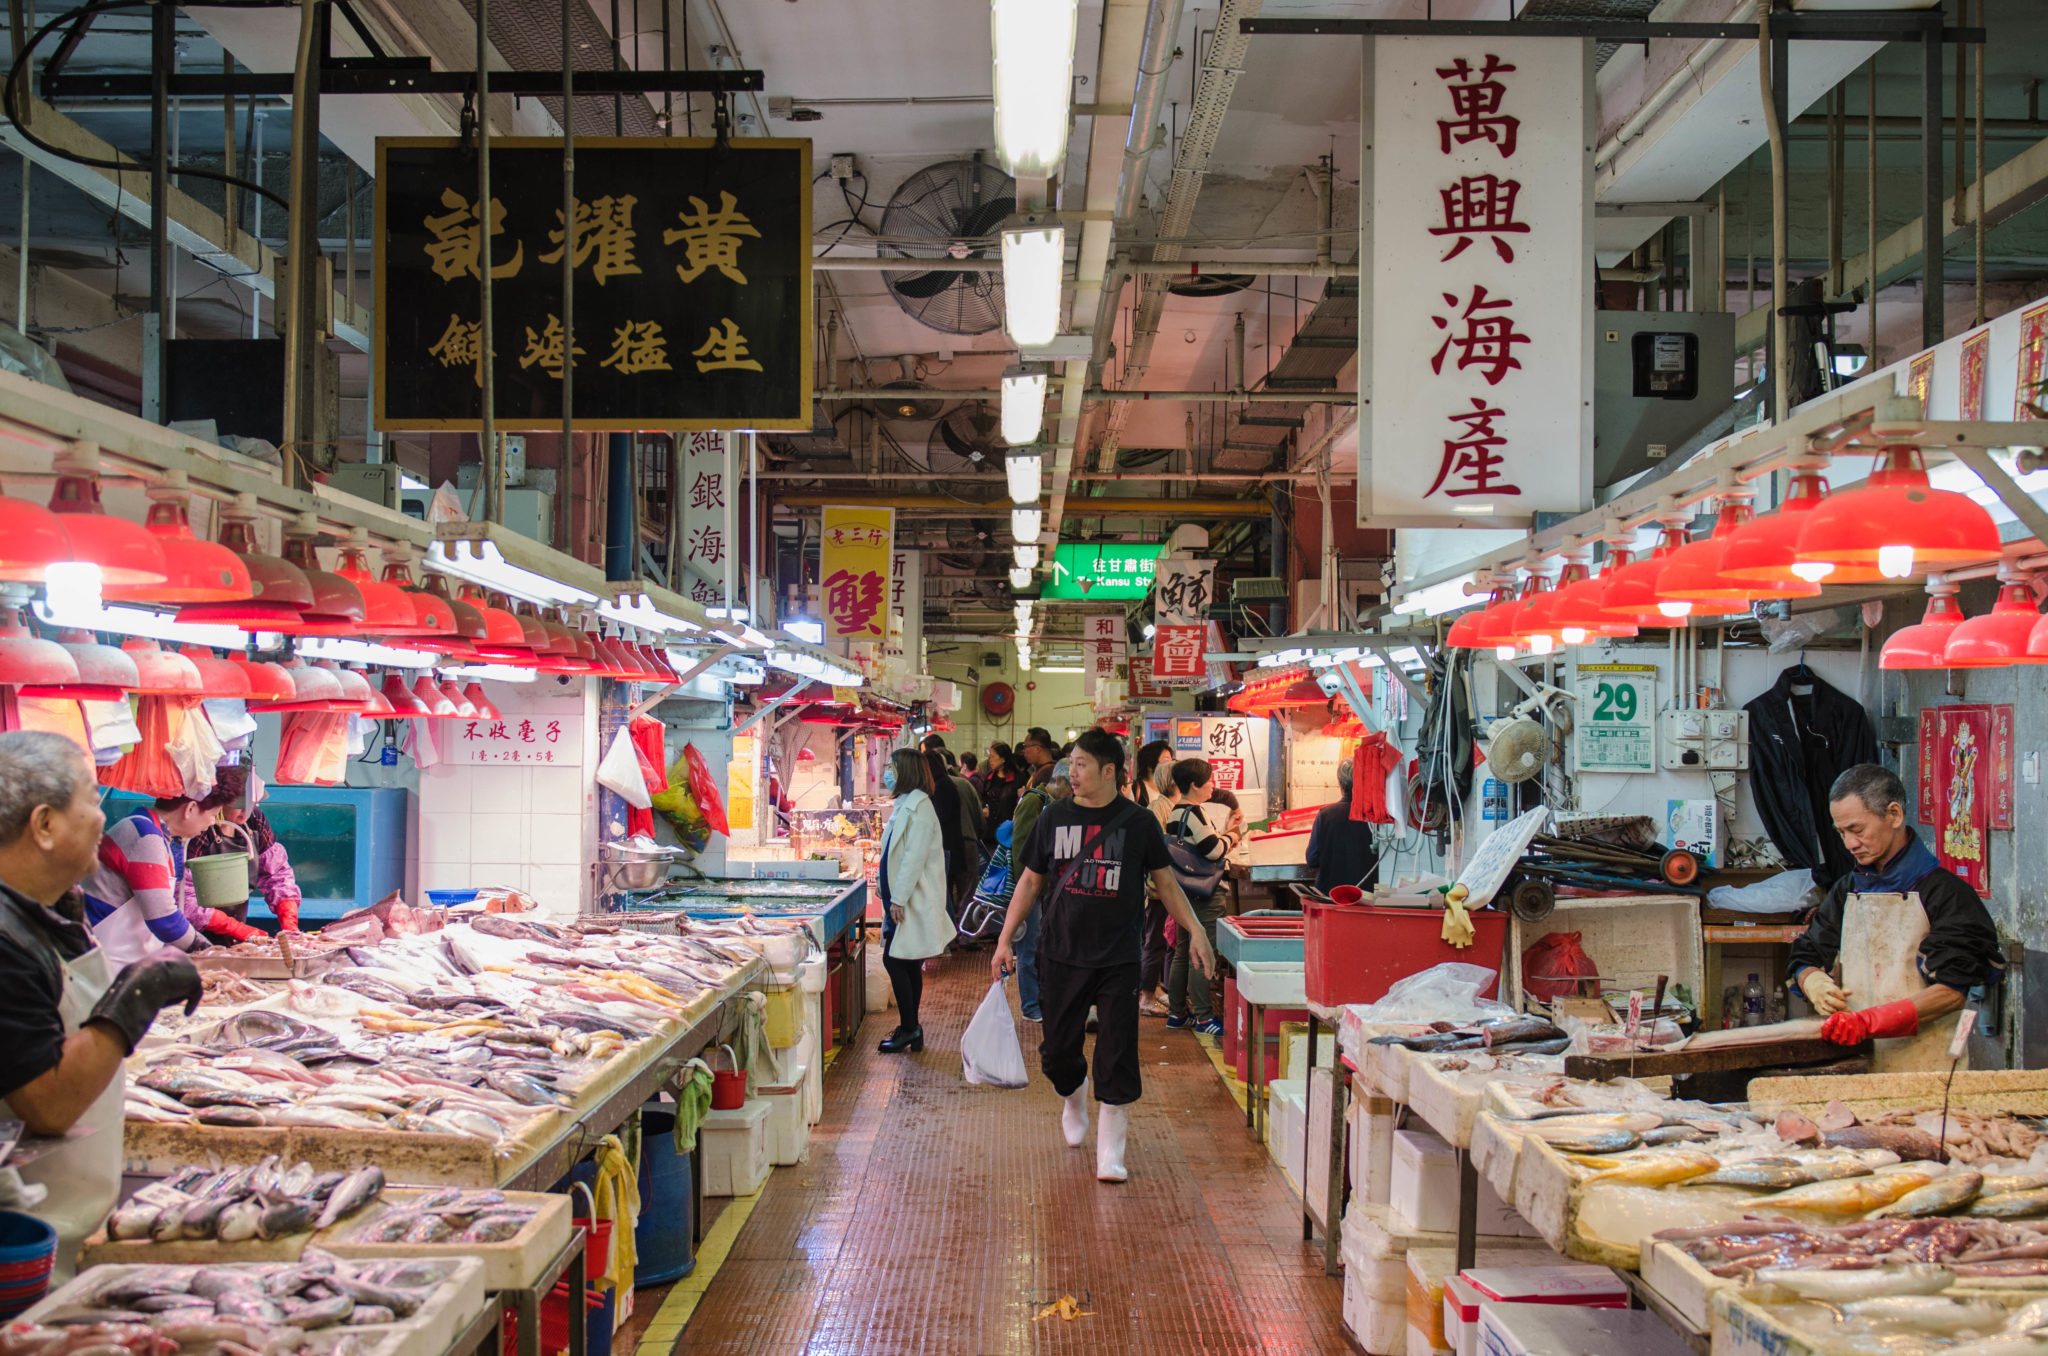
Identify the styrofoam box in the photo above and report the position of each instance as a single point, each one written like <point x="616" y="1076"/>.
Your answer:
<point x="1633" y="940"/>
<point x="735" y="1145"/>
<point x="1461" y="1316"/>
<point x="1420" y="1345"/>
<point x="1294" y="1051"/>
<point x="1423" y="1189"/>
<point x="805" y="1053"/>
<point x="1371" y="1233"/>
<point x="1578" y="1284"/>
<point x="1570" y="1330"/>
<point x="1286" y="1121"/>
<point x="789" y="1135"/>
<point x="1386" y="1327"/>
<point x="1316" y="1186"/>
<point x="1354" y="1308"/>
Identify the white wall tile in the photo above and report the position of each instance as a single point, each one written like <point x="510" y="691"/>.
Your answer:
<point x="497" y="837"/>
<point x="554" y="839"/>
<point x="498" y="873"/>
<point x="444" y="876"/>
<point x="498" y="790"/>
<point x="445" y="788"/>
<point x="444" y="837"/>
<point x="556" y="790"/>
<point x="557" y="888"/>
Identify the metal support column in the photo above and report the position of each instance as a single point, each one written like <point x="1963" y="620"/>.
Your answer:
<point x="163" y="28"/>
<point x="563" y="478"/>
<point x="1930" y="184"/>
<point x="493" y="465"/>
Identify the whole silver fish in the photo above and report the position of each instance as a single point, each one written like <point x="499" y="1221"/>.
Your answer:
<point x="355" y="1191"/>
<point x="1943" y="1196"/>
<point x="238" y="1222"/>
<point x="1840" y="1287"/>
<point x="321" y="1313"/>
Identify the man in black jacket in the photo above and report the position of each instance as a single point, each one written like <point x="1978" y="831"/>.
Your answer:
<point x="1961" y="949"/>
<point x="1803" y="734"/>
<point x="1340" y="848"/>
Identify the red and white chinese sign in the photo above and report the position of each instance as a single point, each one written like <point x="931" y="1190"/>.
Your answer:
<point x="1102" y="647"/>
<point x="1143" y="689"/>
<point x="1177" y="656"/>
<point x="1479" y="353"/>
<point x="547" y="736"/>
<point x="706" y="488"/>
<point x="853" y="571"/>
<point x="906" y="600"/>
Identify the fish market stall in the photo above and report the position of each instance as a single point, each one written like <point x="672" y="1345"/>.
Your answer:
<point x="490" y="1054"/>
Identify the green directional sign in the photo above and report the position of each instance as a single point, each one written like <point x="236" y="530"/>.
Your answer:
<point x="1101" y="570"/>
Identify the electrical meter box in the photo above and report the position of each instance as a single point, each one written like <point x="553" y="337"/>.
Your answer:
<point x="1660" y="378"/>
<point x="1667" y="364"/>
<point x="1704" y="741"/>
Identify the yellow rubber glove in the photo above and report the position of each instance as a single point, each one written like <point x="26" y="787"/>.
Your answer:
<point x="1457" y="929"/>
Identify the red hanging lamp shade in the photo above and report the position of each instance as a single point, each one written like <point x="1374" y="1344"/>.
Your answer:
<point x="380" y="707"/>
<point x="1575" y="608"/>
<point x="313" y="689"/>
<point x="400" y="698"/>
<point x="125" y="553"/>
<point x="357" y="696"/>
<point x="1766" y="549"/>
<point x="1463" y="634"/>
<point x="279" y="590"/>
<point x="1695" y="573"/>
<point x="196" y="570"/>
<point x="29" y="662"/>
<point x="32" y="539"/>
<point x="436" y="702"/>
<point x="432" y="615"/>
<point x="105" y="672"/>
<point x="217" y="677"/>
<point x="463" y="708"/>
<point x="639" y="670"/>
<point x="1924" y="645"/>
<point x="481" y="704"/>
<point x="1527" y="623"/>
<point x="338" y="608"/>
<point x="536" y="635"/>
<point x="388" y="610"/>
<point x="664" y="672"/>
<point x="2002" y="636"/>
<point x="268" y="683"/>
<point x="1898" y="523"/>
<point x="504" y="640"/>
<point x="1631" y="593"/>
<point x="160" y="672"/>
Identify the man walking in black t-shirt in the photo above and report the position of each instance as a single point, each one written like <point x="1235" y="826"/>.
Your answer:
<point x="1096" y="851"/>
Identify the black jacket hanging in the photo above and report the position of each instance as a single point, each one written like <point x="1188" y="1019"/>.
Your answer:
<point x="1803" y="734"/>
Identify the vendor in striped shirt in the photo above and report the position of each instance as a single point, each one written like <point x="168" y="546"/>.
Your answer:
<point x="131" y="902"/>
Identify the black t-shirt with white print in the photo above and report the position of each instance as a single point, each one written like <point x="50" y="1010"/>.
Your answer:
<point x="1098" y="920"/>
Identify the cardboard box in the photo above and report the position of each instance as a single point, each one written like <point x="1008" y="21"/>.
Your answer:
<point x="1584" y="1286"/>
<point x="1573" y="1330"/>
<point x="1422" y="1189"/>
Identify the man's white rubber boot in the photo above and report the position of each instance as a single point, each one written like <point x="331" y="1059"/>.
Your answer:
<point x="1074" y="1116"/>
<point x="1110" y="1129"/>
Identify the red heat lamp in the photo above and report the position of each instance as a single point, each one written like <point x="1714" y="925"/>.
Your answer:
<point x="358" y="698"/>
<point x="2002" y="636"/>
<point x="125" y="553"/>
<point x="313" y="689"/>
<point x="32" y="539"/>
<point x="159" y="672"/>
<point x="1528" y="622"/>
<point x="1924" y="645"/>
<point x="197" y="571"/>
<point x="468" y="623"/>
<point x="1575" y="615"/>
<point x="1766" y="549"/>
<point x="267" y="682"/>
<point x="217" y="677"/>
<point x="1694" y="573"/>
<point x="1631" y="592"/>
<point x="401" y="700"/>
<point x="485" y="710"/>
<point x="1464" y="631"/>
<point x="504" y="639"/>
<point x="280" y="591"/>
<point x="388" y="610"/>
<point x="38" y="667"/>
<point x="435" y="618"/>
<point x="1897" y="522"/>
<point x="338" y="608"/>
<point x="464" y="708"/>
<point x="105" y="673"/>
<point x="436" y="702"/>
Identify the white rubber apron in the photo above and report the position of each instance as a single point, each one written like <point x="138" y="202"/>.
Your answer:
<point x="85" y="1175"/>
<point x="1881" y="936"/>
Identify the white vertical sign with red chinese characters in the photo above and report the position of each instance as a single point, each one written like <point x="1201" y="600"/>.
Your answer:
<point x="1477" y="357"/>
<point x="706" y="488"/>
<point x="1102" y="647"/>
<point x="906" y="601"/>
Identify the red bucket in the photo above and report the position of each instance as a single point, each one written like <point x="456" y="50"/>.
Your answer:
<point x="729" y="1086"/>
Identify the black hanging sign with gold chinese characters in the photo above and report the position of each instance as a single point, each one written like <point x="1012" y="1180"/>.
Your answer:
<point x="693" y="283"/>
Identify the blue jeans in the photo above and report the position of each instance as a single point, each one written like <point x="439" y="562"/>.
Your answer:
<point x="1026" y="947"/>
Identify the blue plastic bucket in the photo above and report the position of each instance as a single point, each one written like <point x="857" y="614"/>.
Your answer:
<point x="448" y="899"/>
<point x="663" y="1248"/>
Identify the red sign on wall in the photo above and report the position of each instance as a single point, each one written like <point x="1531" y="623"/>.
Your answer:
<point x="1964" y="762"/>
<point x="1229" y="773"/>
<point x="1177" y="656"/>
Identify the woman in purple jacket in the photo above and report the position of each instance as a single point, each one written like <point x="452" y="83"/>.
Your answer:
<point x="242" y="830"/>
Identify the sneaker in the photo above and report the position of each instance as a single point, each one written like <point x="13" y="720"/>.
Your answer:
<point x="1212" y="1027"/>
<point x="1038" y="1017"/>
<point x="1178" y="1021"/>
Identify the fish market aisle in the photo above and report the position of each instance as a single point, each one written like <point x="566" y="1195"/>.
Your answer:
<point x="935" y="1216"/>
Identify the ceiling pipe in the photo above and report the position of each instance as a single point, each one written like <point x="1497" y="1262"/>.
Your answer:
<point x="1095" y="393"/>
<point x="1097" y="508"/>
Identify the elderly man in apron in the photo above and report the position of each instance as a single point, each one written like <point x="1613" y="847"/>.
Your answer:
<point x="68" y="1023"/>
<point x="1913" y="940"/>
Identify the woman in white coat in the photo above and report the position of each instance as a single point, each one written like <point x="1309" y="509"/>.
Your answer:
<point x="915" y="924"/>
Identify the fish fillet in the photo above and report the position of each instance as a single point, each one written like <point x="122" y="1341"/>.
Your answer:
<point x="1799" y="1029"/>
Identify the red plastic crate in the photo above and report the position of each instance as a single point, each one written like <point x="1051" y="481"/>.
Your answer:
<point x="1355" y="953"/>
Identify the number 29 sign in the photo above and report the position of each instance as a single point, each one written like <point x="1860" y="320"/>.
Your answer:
<point x="1615" y="727"/>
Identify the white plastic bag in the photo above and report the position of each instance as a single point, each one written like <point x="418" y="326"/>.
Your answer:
<point x="619" y="771"/>
<point x="989" y="1052"/>
<point x="1783" y="893"/>
<point x="1442" y="993"/>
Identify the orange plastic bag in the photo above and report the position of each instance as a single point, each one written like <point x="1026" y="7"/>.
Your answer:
<point x="148" y="768"/>
<point x="312" y="750"/>
<point x="705" y="791"/>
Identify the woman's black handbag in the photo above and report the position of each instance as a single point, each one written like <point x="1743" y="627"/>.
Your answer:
<point x="1198" y="876"/>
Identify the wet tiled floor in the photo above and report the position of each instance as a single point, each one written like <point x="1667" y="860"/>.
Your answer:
<point x="938" y="1217"/>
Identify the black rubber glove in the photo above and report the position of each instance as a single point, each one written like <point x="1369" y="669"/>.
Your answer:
<point x="145" y="988"/>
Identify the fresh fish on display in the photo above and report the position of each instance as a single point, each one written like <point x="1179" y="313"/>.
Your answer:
<point x="1841" y="1287"/>
<point x="352" y="1193"/>
<point x="1943" y="1196"/>
<point x="1849" y="1195"/>
<point x="1659" y="1167"/>
<point x="1930" y="1313"/>
<point x="2031" y="1204"/>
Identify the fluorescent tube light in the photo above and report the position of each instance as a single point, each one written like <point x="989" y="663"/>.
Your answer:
<point x="1033" y="45"/>
<point x="1023" y="410"/>
<point x="365" y="652"/>
<point x="1034" y="257"/>
<point x="1026" y="555"/>
<point x="1020" y="578"/>
<point x="483" y="563"/>
<point x="1025" y="470"/>
<point x="1027" y="523"/>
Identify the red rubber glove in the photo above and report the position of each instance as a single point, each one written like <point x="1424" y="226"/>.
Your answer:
<point x="1887" y="1021"/>
<point x="287" y="911"/>
<point x="216" y="921"/>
